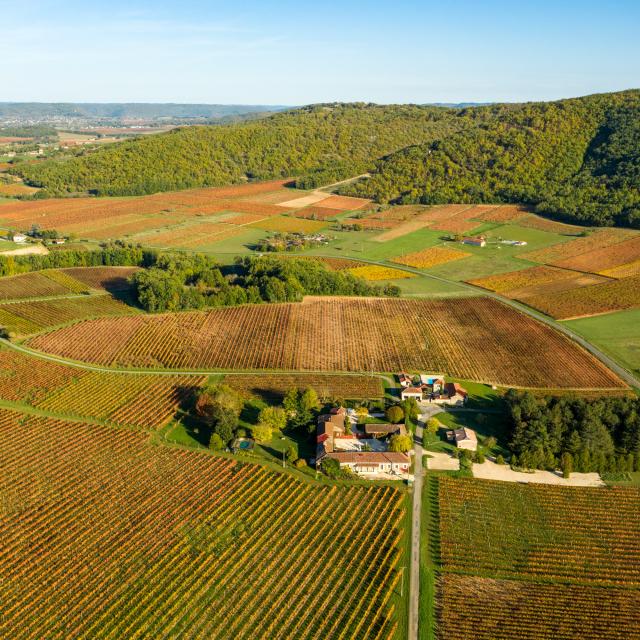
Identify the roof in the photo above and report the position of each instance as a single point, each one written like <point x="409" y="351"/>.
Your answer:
<point x="369" y="457"/>
<point x="381" y="428"/>
<point x="453" y="388"/>
<point x="338" y="411"/>
<point x="464" y="434"/>
<point x="413" y="391"/>
<point x="335" y="420"/>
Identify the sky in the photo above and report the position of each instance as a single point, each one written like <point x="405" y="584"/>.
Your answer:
<point x="281" y="52"/>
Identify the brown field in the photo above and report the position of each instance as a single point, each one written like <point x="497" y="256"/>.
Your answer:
<point x="274" y="387"/>
<point x="430" y="257"/>
<point x="192" y="235"/>
<point x="105" y="535"/>
<point x="613" y="295"/>
<point x="108" y="278"/>
<point x="30" y="285"/>
<point x="605" y="258"/>
<point x="344" y="203"/>
<point x="623" y="271"/>
<point x="471" y="339"/>
<point x="16" y="189"/>
<point x="504" y="213"/>
<point x="544" y="224"/>
<point x="575" y="281"/>
<point x="596" y="241"/>
<point x="510" y="609"/>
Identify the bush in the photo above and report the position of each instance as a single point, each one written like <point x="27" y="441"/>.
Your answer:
<point x="479" y="457"/>
<point x="395" y="414"/>
<point x="433" y="425"/>
<point x="500" y="459"/>
<point x="262" y="432"/>
<point x="216" y="444"/>
<point x="300" y="463"/>
<point x="400" y="444"/>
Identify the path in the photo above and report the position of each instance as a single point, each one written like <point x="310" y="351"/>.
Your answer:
<point x="416" y="516"/>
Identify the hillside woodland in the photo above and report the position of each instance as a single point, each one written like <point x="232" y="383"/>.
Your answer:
<point x="577" y="159"/>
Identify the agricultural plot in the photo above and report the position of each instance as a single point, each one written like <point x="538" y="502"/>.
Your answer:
<point x="35" y="315"/>
<point x="519" y="610"/>
<point x="471" y="339"/>
<point x="183" y="544"/>
<point x="39" y="284"/>
<point x="585" y="535"/>
<point x="530" y="221"/>
<point x="606" y="258"/>
<point x="105" y="278"/>
<point x="431" y="257"/>
<point x="614" y="295"/>
<point x="289" y="224"/>
<point x="375" y="272"/>
<point x="531" y="277"/>
<point x="274" y="387"/>
<point x="145" y="401"/>
<point x="317" y="213"/>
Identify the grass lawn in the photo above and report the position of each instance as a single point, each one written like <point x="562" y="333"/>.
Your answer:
<point x="617" y="334"/>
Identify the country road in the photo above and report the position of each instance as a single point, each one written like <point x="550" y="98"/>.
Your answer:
<point x="416" y="517"/>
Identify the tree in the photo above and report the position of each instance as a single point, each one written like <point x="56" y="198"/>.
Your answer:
<point x="395" y="414"/>
<point x="400" y="443"/>
<point x="216" y="442"/>
<point x="291" y="453"/>
<point x="273" y="417"/>
<point x="500" y="459"/>
<point x="566" y="464"/>
<point x="225" y="421"/>
<point x="331" y="468"/>
<point x="411" y="409"/>
<point x="489" y="442"/>
<point x="262" y="432"/>
<point x="433" y="425"/>
<point x="291" y="402"/>
<point x="309" y="400"/>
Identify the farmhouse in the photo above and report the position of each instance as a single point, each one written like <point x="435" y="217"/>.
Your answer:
<point x="329" y="425"/>
<point x="455" y="393"/>
<point x="411" y="392"/>
<point x="19" y="238"/>
<point x="372" y="461"/>
<point x="475" y="241"/>
<point x="405" y="379"/>
<point x="464" y="438"/>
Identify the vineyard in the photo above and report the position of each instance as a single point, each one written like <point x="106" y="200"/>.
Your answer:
<point x="39" y="284"/>
<point x="36" y="315"/>
<point x="128" y="540"/>
<point x="530" y="277"/>
<point x="377" y="272"/>
<point x="107" y="278"/>
<point x="517" y="610"/>
<point x="274" y="387"/>
<point x="145" y="401"/>
<point x="469" y="339"/>
<point x="289" y="224"/>
<point x="537" y="562"/>
<point x="584" y="535"/>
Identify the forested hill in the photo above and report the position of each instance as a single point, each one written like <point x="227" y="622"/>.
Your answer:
<point x="332" y="141"/>
<point x="576" y="159"/>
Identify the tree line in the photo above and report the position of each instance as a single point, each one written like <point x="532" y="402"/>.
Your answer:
<point x="574" y="433"/>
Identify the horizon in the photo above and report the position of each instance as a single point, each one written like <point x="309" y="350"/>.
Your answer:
<point x="291" y="54"/>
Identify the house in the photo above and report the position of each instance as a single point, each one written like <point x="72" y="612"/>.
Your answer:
<point x="412" y="392"/>
<point x="464" y="438"/>
<point x="19" y="238"/>
<point x="405" y="379"/>
<point x="329" y="425"/>
<point x="383" y="430"/>
<point x="432" y="383"/>
<point x="456" y="393"/>
<point x="58" y="241"/>
<point x="372" y="461"/>
<point x="475" y="241"/>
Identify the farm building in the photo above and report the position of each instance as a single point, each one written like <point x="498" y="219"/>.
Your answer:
<point x="383" y="430"/>
<point x="455" y="393"/>
<point x="19" y="238"/>
<point x="405" y="379"/>
<point x="372" y="461"/>
<point x="411" y="392"/>
<point x="475" y="241"/>
<point x="329" y="425"/>
<point x="464" y="438"/>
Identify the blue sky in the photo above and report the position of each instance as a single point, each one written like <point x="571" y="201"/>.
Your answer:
<point x="285" y="52"/>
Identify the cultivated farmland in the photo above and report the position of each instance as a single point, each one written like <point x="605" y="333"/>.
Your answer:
<point x="377" y="272"/>
<point x="470" y="338"/>
<point x="431" y="257"/>
<point x="145" y="401"/>
<point x="39" y="284"/>
<point x="164" y="542"/>
<point x="274" y="387"/>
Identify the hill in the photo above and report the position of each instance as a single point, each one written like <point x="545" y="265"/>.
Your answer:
<point x="335" y="141"/>
<point x="576" y="159"/>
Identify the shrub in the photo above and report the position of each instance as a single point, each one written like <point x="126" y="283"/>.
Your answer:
<point x="395" y="414"/>
<point x="216" y="443"/>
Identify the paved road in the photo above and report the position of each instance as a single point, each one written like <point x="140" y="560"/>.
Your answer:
<point x="416" y="520"/>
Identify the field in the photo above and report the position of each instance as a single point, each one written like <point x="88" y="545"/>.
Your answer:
<point x="467" y="338"/>
<point x="126" y="540"/>
<point x="40" y="284"/>
<point x="553" y="562"/>
<point x="376" y="272"/>
<point x="274" y="387"/>
<point x="105" y="278"/>
<point x="430" y="257"/>
<point x="145" y="401"/>
<point x="191" y="219"/>
<point x="35" y="315"/>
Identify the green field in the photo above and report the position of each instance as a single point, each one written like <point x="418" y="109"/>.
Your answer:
<point x="617" y="334"/>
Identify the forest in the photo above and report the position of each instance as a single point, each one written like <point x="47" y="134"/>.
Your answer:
<point x="583" y="435"/>
<point x="178" y="282"/>
<point x="576" y="160"/>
